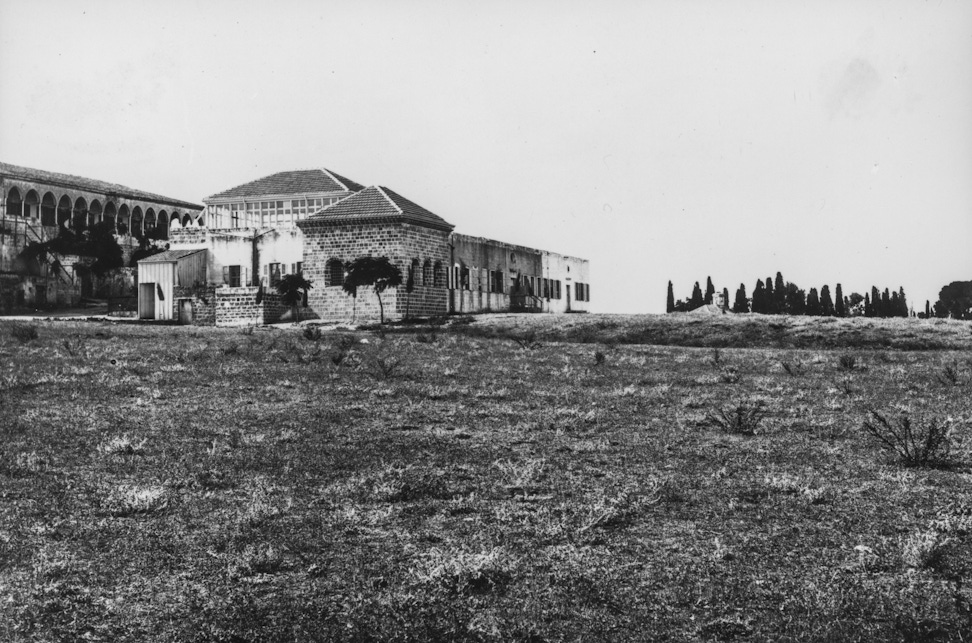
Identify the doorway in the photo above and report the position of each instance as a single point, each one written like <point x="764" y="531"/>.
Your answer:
<point x="146" y="301"/>
<point x="185" y="311"/>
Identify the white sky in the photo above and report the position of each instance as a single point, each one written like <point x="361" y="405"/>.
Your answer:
<point x="828" y="140"/>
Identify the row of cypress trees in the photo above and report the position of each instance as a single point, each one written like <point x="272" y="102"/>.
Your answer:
<point x="779" y="297"/>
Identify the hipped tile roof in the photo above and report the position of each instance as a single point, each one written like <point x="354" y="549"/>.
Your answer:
<point x="90" y="185"/>
<point x="378" y="203"/>
<point x="291" y="182"/>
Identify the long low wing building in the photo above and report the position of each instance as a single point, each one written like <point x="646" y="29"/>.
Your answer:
<point x="314" y="222"/>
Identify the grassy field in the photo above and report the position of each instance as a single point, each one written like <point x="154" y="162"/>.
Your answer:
<point x="514" y="478"/>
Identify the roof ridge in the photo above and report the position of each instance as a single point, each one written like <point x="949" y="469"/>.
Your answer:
<point x="334" y="178"/>
<point x="389" y="199"/>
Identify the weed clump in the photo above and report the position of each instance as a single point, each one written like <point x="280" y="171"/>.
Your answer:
<point x="24" y="333"/>
<point x="927" y="444"/>
<point x="527" y="340"/>
<point x="847" y="362"/>
<point x="793" y="369"/>
<point x="741" y="419"/>
<point x="949" y="375"/>
<point x="312" y="333"/>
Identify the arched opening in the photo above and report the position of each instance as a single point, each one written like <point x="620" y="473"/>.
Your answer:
<point x="15" y="203"/>
<point x="94" y="212"/>
<point x="438" y="275"/>
<point x="124" y="221"/>
<point x="79" y="217"/>
<point x="32" y="205"/>
<point x="174" y="224"/>
<point x="333" y="273"/>
<point x="136" y="229"/>
<point x="64" y="211"/>
<point x="413" y="272"/>
<point x="109" y="215"/>
<point x="427" y="273"/>
<point x="186" y="220"/>
<point x="49" y="210"/>
<point x="149" y="223"/>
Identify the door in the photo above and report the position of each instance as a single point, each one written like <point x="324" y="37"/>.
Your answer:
<point x="567" y="288"/>
<point x="185" y="311"/>
<point x="146" y="301"/>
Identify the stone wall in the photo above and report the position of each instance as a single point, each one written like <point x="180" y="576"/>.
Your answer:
<point x="238" y="307"/>
<point x="203" y="300"/>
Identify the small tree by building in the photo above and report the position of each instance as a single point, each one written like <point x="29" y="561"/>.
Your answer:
<point x="293" y="289"/>
<point x="377" y="272"/>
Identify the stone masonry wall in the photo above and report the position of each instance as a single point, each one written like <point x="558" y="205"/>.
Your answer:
<point x="401" y="243"/>
<point x="203" y="303"/>
<point x="238" y="307"/>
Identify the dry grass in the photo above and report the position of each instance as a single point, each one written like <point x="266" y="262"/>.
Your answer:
<point x="172" y="483"/>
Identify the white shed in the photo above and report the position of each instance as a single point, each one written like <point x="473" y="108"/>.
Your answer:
<point x="160" y="274"/>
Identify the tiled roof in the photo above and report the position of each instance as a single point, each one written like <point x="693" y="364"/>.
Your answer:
<point x="170" y="255"/>
<point x="292" y="182"/>
<point x="89" y="185"/>
<point x="379" y="203"/>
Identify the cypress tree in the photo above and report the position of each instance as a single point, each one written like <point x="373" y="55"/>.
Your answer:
<point x="670" y="302"/>
<point x="725" y="298"/>
<point x="769" y="301"/>
<point x="696" y="299"/>
<point x="813" y="303"/>
<point x="796" y="300"/>
<point x="868" y="308"/>
<point x="709" y="290"/>
<point x="826" y="302"/>
<point x="759" y="297"/>
<point x="895" y="306"/>
<point x="840" y="306"/>
<point x="740" y="305"/>
<point x="927" y="309"/>
<point x="886" y="309"/>
<point x="875" y="302"/>
<point x="779" y="289"/>
<point x="902" y="302"/>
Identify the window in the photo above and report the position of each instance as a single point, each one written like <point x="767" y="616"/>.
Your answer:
<point x="464" y="278"/>
<point x="232" y="276"/>
<point x="274" y="273"/>
<point x="498" y="281"/>
<point x="333" y="273"/>
<point x="427" y="273"/>
<point x="438" y="275"/>
<point x="557" y="289"/>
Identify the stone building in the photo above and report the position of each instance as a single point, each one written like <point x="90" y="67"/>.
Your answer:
<point x="315" y="222"/>
<point x="37" y="204"/>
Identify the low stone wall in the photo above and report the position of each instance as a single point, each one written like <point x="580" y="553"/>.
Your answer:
<point x="203" y="303"/>
<point x="239" y="307"/>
